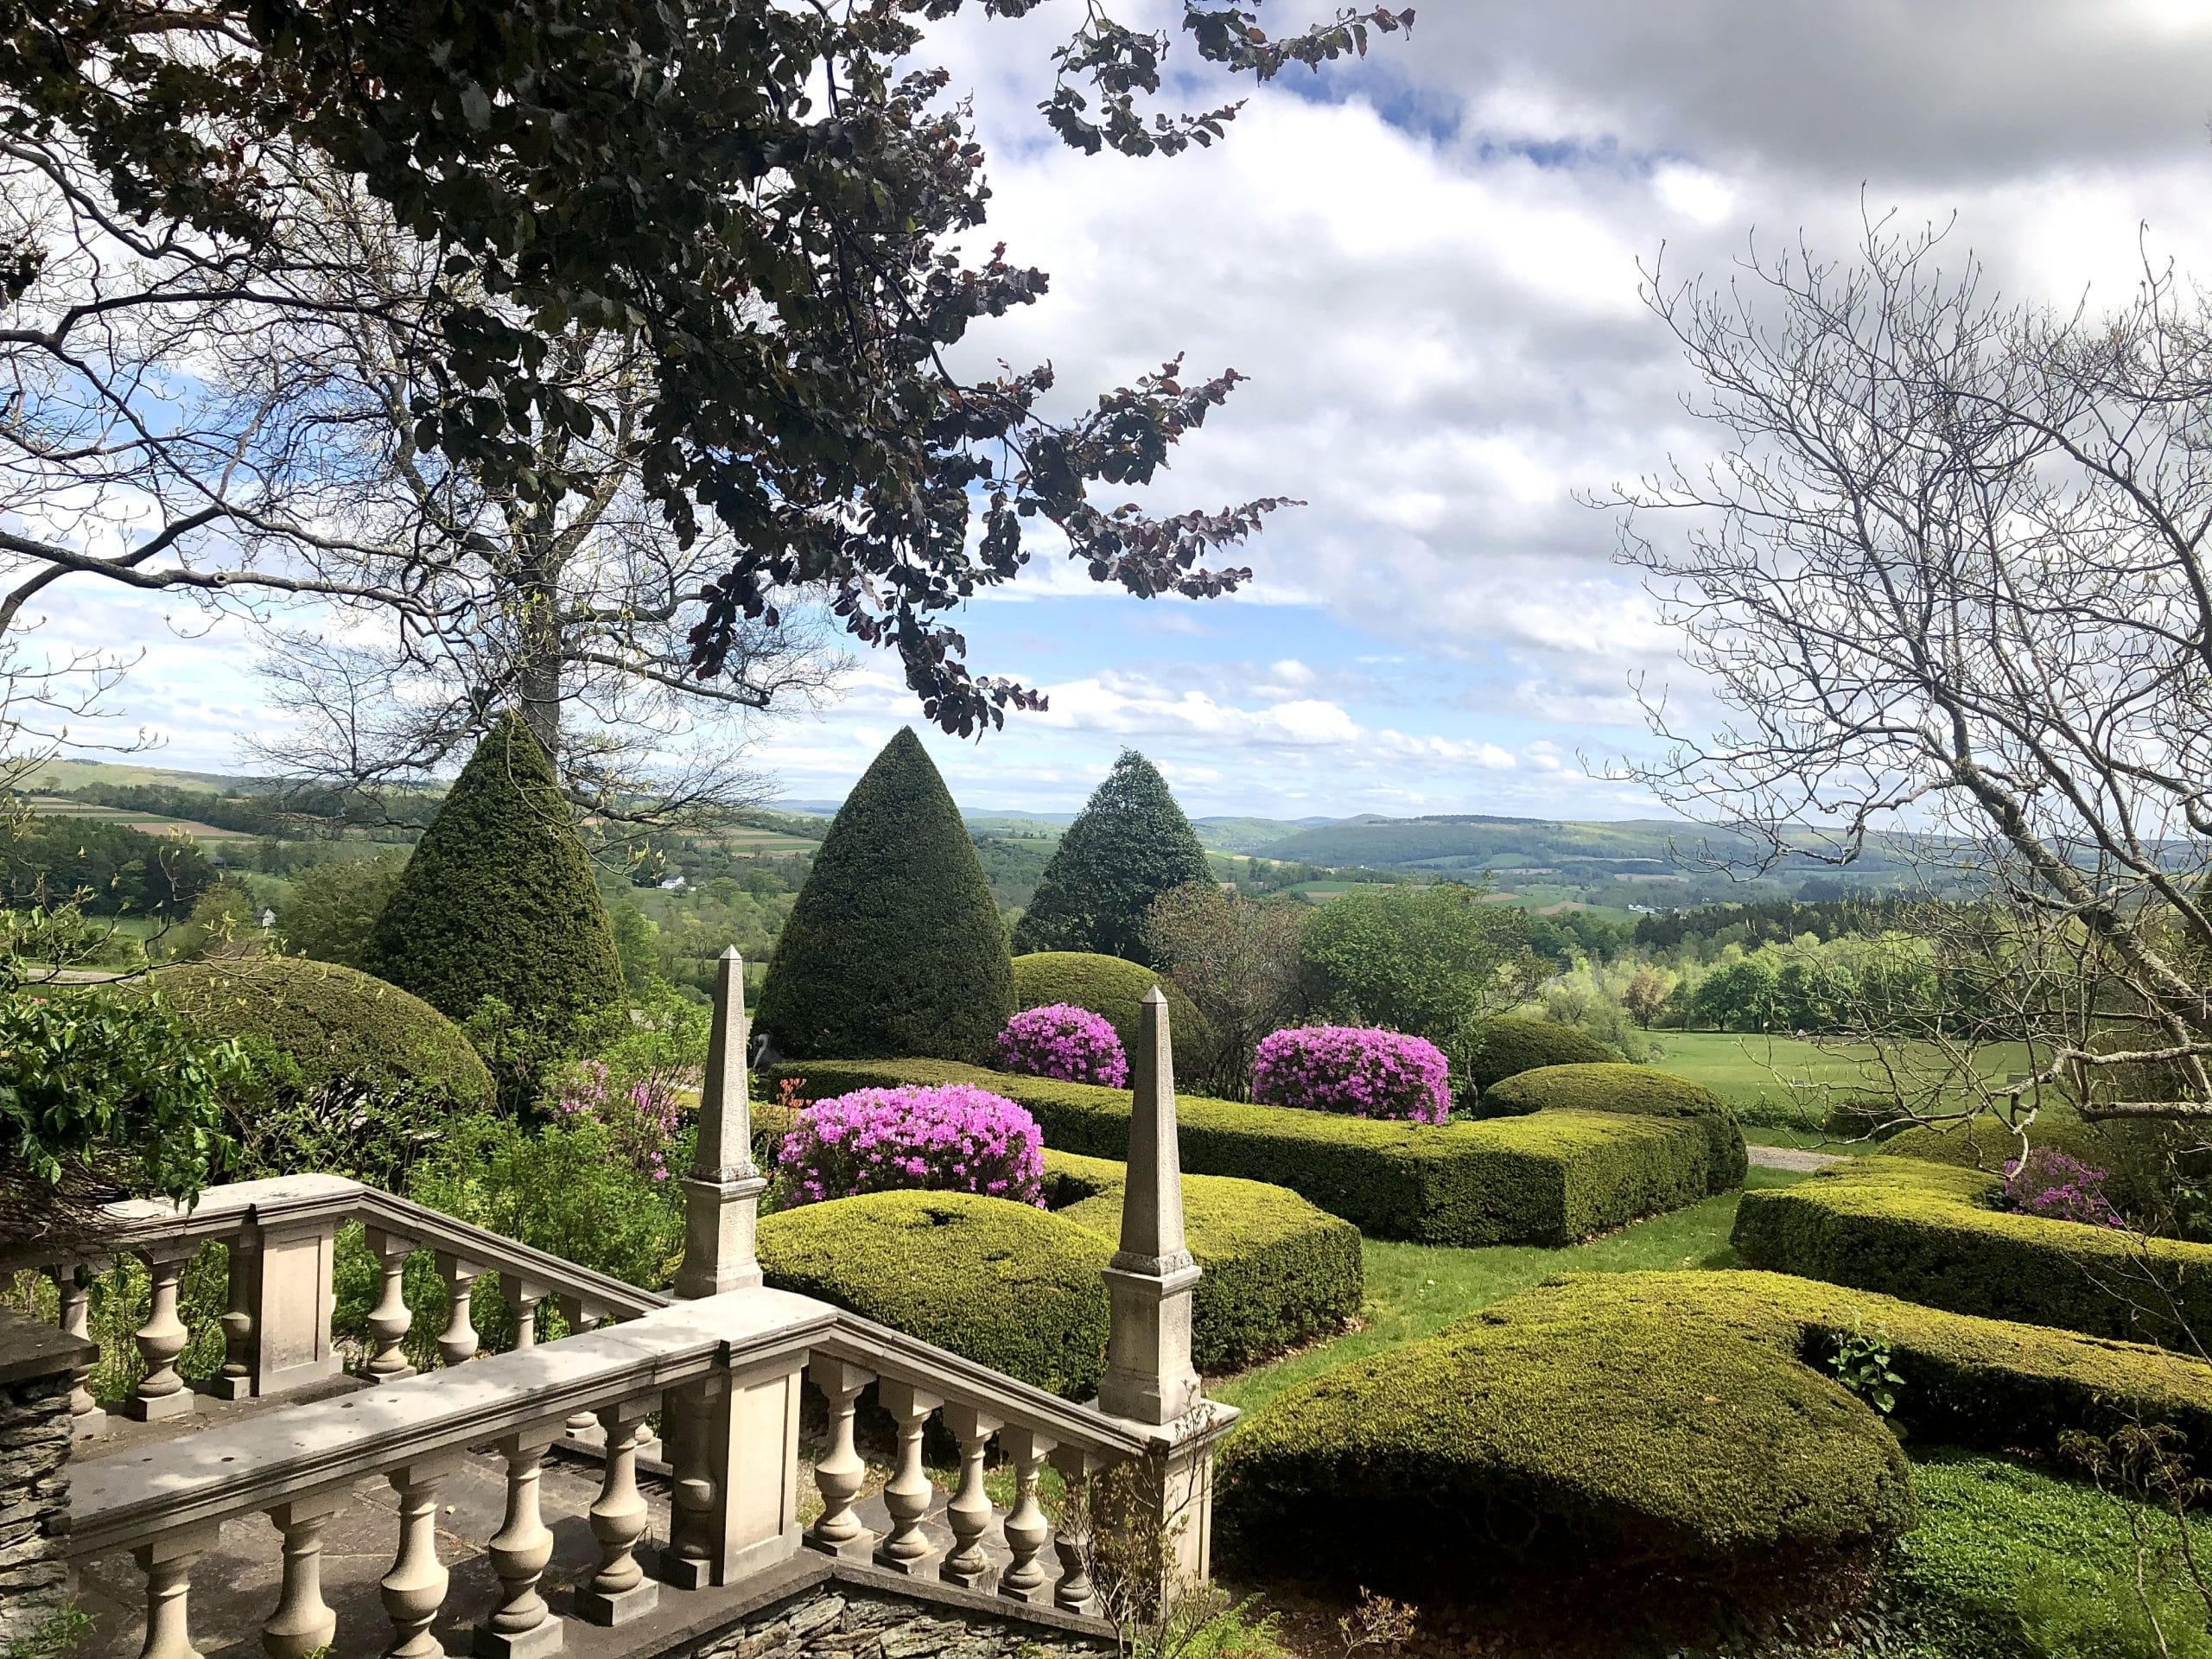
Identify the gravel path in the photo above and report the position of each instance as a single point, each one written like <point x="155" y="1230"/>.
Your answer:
<point x="1793" y="1158"/>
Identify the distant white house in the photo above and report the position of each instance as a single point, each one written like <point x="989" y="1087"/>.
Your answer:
<point x="674" y="884"/>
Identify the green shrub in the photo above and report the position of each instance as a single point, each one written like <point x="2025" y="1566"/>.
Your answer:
<point x="1563" y="1425"/>
<point x="1113" y="990"/>
<point x="1514" y="1043"/>
<point x="498" y="904"/>
<point x="1009" y="1286"/>
<point x="1277" y="1271"/>
<point x="351" y="1076"/>
<point x="1552" y="1179"/>
<point x="1924" y="1232"/>
<point x="1636" y="1090"/>
<point x="1129" y="844"/>
<point x="2139" y="1159"/>
<point x="894" y="945"/>
<point x="1425" y="960"/>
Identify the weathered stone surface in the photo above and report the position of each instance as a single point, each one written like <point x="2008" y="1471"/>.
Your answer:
<point x="34" y="1444"/>
<point x="849" y="1624"/>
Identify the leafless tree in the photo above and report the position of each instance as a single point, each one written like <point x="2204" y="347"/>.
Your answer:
<point x="1948" y="574"/>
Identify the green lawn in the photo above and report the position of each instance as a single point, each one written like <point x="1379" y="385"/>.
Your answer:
<point x="1416" y="1290"/>
<point x="1771" y="1077"/>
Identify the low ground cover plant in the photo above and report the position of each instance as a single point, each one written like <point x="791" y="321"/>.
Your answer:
<point x="951" y="1137"/>
<point x="1062" y="1042"/>
<point x="1356" y="1070"/>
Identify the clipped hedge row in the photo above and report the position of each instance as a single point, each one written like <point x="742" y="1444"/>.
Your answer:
<point x="2136" y="1157"/>
<point x="1552" y="1179"/>
<point x="1277" y="1271"/>
<point x="1636" y="1090"/>
<point x="1514" y="1043"/>
<point x="1924" y="1232"/>
<point x="1018" y="1289"/>
<point x="1732" y="1447"/>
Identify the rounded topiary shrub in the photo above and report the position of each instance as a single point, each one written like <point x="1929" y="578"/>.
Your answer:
<point x="1353" y="1069"/>
<point x="951" y="1137"/>
<point x="1009" y="1287"/>
<point x="894" y="949"/>
<point x="1514" y="1043"/>
<point x="498" y="904"/>
<point x="1065" y="1043"/>
<point x="1115" y="988"/>
<point x="1634" y="1090"/>
<point x="1562" y="1430"/>
<point x="352" y="1075"/>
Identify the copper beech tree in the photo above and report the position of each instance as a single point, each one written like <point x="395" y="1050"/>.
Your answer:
<point x="688" y="270"/>
<point x="1948" y="574"/>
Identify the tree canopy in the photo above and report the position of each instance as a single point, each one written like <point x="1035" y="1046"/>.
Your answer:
<point x="1129" y="845"/>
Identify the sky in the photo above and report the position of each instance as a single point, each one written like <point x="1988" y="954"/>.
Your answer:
<point x="1428" y="265"/>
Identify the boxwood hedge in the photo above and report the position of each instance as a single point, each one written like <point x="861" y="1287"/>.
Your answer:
<point x="1514" y="1043"/>
<point x="1018" y="1289"/>
<point x="1733" y="1442"/>
<point x="1551" y="1179"/>
<point x="1277" y="1271"/>
<point x="2138" y="1157"/>
<point x="1635" y="1089"/>
<point x="1924" y="1232"/>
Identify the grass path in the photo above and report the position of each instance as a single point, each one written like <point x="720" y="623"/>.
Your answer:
<point x="1416" y="1290"/>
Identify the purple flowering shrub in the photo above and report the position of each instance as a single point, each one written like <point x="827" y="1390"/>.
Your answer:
<point x="1355" y="1069"/>
<point x="642" y="1121"/>
<point x="2050" y="1183"/>
<point x="1062" y="1042"/>
<point x="951" y="1137"/>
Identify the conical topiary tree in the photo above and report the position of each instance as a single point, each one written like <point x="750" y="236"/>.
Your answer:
<point x="1129" y="845"/>
<point x="894" y="948"/>
<point x="498" y="901"/>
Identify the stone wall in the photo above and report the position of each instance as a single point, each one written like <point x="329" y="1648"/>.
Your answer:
<point x="842" y="1622"/>
<point x="34" y="1438"/>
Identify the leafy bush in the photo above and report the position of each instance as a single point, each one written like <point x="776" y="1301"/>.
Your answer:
<point x="1549" y="1179"/>
<point x="1277" y="1271"/>
<point x="1569" y="1426"/>
<point x="1632" y="1089"/>
<point x="642" y="1122"/>
<point x="497" y="905"/>
<point x="953" y="1137"/>
<point x="1926" y="1232"/>
<point x="1115" y="988"/>
<point x="894" y="945"/>
<point x="1065" y="1042"/>
<point x="2049" y="1182"/>
<point x="331" y="912"/>
<point x="351" y="1076"/>
<point x="1129" y="844"/>
<point x="1514" y="1043"/>
<point x="1353" y="1069"/>
<point x="1238" y="959"/>
<point x="2141" y="1161"/>
<point x="1007" y="1286"/>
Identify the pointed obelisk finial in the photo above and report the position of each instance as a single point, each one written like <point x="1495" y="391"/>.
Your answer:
<point x="1150" y="1377"/>
<point x="721" y="1194"/>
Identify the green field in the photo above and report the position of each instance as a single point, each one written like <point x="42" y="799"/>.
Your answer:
<point x="1776" y="1078"/>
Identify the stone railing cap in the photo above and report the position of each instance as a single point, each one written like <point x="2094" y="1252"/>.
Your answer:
<point x="30" y="1349"/>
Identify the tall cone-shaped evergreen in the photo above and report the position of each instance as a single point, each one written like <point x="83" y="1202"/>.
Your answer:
<point x="894" y="948"/>
<point x="499" y="899"/>
<point x="1128" y="846"/>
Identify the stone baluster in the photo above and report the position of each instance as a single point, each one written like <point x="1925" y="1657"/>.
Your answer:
<point x="415" y="1587"/>
<point x="166" y="1562"/>
<point x="968" y="1514"/>
<point x="162" y="1394"/>
<point x="73" y="1286"/>
<point x="303" y="1623"/>
<point x="619" y="1592"/>
<point x="522" y="1627"/>
<point x="582" y="1317"/>
<point x="235" y="1382"/>
<point x="688" y="1436"/>
<point x="1027" y="1526"/>
<point x="523" y="1296"/>
<point x="390" y="1320"/>
<point x="906" y="1496"/>
<point x="1071" y="1539"/>
<point x="841" y="1473"/>
<point x="457" y="1343"/>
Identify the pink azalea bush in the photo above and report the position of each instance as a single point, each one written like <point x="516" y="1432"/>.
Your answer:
<point x="950" y="1137"/>
<point x="1062" y="1042"/>
<point x="1355" y="1069"/>
<point x="2048" y="1183"/>
<point x="642" y="1121"/>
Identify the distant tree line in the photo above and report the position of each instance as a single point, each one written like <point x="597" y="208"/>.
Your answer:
<point x="1773" y="921"/>
<point x="109" y="867"/>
